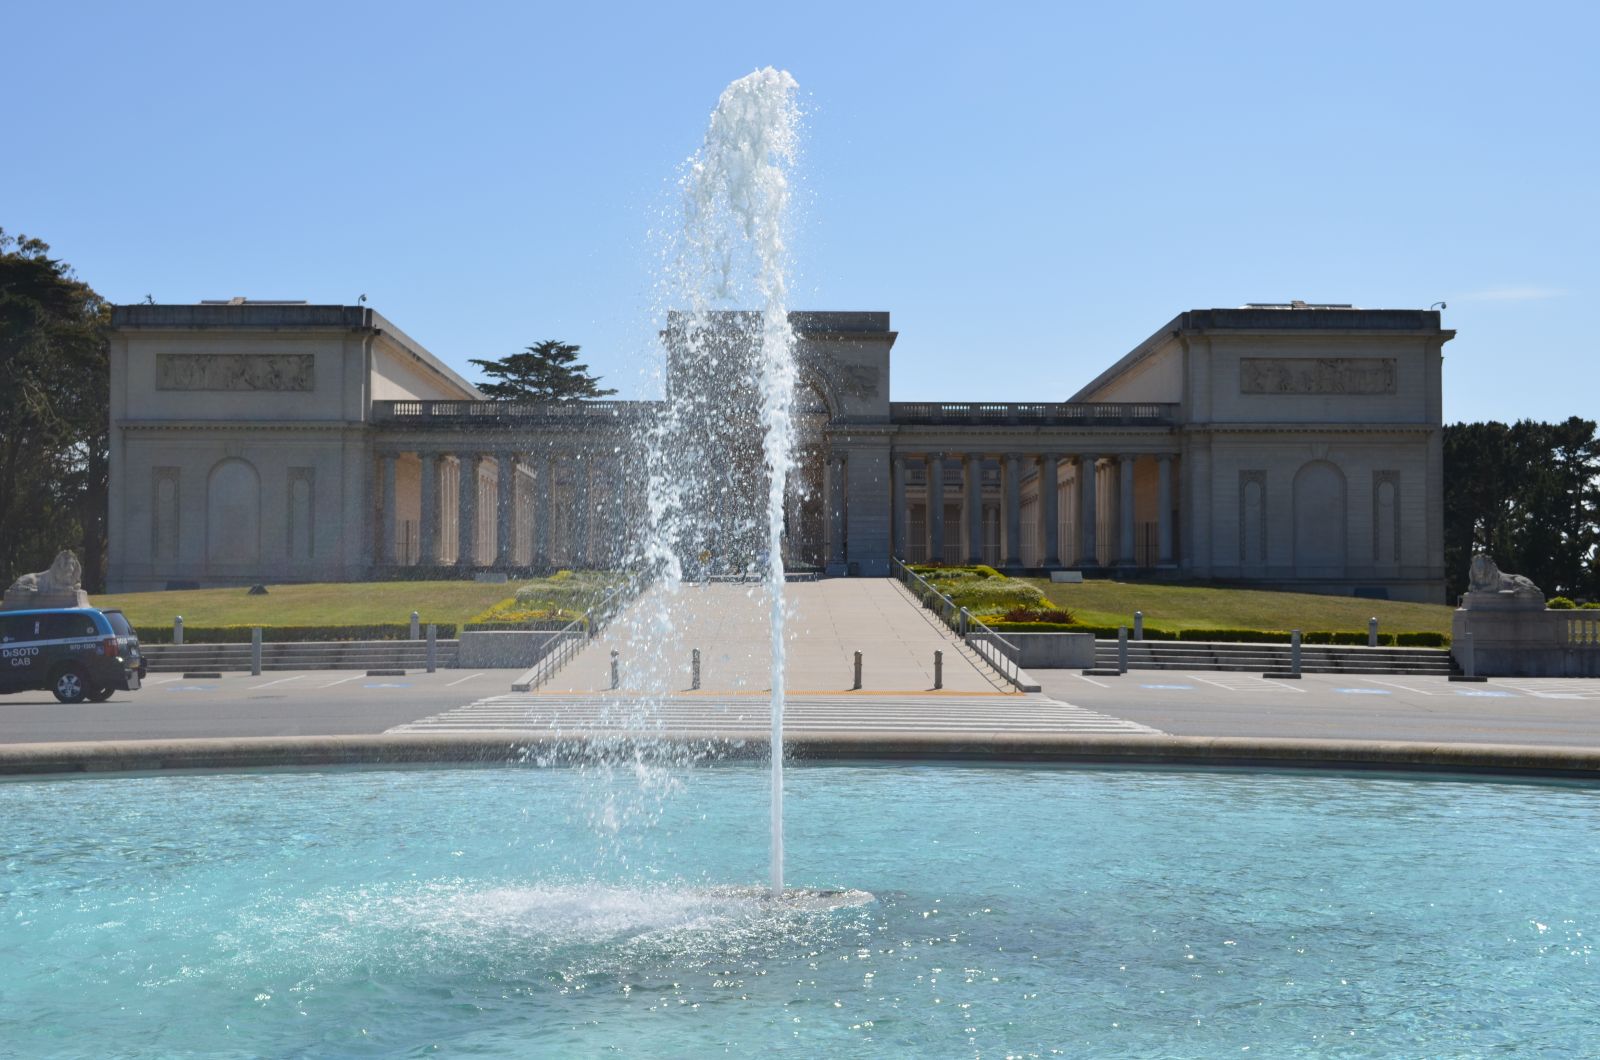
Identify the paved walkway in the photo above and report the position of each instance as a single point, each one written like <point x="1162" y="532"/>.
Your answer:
<point x="748" y="715"/>
<point x="828" y="621"/>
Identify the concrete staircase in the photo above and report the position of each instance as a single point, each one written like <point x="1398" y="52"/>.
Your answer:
<point x="1259" y="658"/>
<point x="302" y="655"/>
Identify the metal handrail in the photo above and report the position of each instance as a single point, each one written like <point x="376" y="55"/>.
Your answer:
<point x="569" y="640"/>
<point x="999" y="653"/>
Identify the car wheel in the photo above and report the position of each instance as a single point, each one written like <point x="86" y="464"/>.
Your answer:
<point x="69" y="686"/>
<point x="100" y="695"/>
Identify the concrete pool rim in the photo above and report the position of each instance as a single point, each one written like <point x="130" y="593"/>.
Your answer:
<point x="494" y="748"/>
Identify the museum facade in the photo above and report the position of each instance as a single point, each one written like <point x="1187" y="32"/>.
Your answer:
<point x="1288" y="446"/>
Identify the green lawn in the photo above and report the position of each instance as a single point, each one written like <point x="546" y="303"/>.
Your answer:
<point x="1172" y="607"/>
<point x="325" y="604"/>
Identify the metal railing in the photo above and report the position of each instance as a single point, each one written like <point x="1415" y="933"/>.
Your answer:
<point x="999" y="653"/>
<point x="569" y="640"/>
<point x="1054" y="413"/>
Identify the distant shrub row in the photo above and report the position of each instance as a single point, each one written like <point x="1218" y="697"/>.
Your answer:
<point x="1563" y="603"/>
<point x="1235" y="636"/>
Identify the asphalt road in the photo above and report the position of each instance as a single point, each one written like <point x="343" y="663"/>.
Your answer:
<point x="277" y="703"/>
<point x="1547" y="711"/>
<point x="1531" y="711"/>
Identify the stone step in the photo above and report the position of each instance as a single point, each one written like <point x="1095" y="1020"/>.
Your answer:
<point x="1237" y="657"/>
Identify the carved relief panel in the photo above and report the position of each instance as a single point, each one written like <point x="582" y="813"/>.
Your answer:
<point x="236" y="371"/>
<point x="1317" y="375"/>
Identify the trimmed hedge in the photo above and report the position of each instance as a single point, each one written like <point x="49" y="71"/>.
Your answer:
<point x="289" y="634"/>
<point x="1424" y="639"/>
<point x="1560" y="603"/>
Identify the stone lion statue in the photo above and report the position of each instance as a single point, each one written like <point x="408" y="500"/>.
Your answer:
<point x="1485" y="577"/>
<point x="65" y="575"/>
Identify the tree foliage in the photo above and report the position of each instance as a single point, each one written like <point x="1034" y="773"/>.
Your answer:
<point x="54" y="411"/>
<point x="1529" y="495"/>
<point x="547" y="371"/>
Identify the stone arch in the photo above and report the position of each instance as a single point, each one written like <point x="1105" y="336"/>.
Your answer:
<point x="1319" y="521"/>
<point x="233" y="514"/>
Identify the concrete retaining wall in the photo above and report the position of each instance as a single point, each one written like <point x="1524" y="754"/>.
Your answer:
<point x="503" y="649"/>
<point x="1053" y="651"/>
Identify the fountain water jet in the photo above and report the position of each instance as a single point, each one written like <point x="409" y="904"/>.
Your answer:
<point x="736" y="194"/>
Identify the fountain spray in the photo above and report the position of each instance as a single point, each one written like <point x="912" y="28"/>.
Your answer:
<point x="736" y="194"/>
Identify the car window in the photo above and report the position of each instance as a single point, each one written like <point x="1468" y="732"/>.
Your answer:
<point x="16" y="628"/>
<point x="64" y="625"/>
<point x="19" y="627"/>
<point x="119" y="623"/>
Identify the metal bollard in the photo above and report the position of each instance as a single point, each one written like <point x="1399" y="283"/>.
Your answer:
<point x="616" y="670"/>
<point x="255" y="652"/>
<point x="1122" y="649"/>
<point x="938" y="669"/>
<point x="858" y="666"/>
<point x="177" y="629"/>
<point x="416" y="629"/>
<point x="1294" y="652"/>
<point x="694" y="669"/>
<point x="1138" y="625"/>
<point x="1372" y="632"/>
<point x="433" y="647"/>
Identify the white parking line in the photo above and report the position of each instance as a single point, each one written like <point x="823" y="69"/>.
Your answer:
<point x="1091" y="680"/>
<point x="469" y="677"/>
<point x="1251" y="683"/>
<point x="279" y="681"/>
<point x="1395" y="684"/>
<point x="342" y="680"/>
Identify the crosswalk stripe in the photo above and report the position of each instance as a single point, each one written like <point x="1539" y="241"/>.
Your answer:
<point x="545" y="712"/>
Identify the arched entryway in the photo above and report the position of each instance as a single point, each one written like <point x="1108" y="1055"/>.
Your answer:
<point x="1319" y="521"/>
<point x="805" y="509"/>
<point x="233" y="515"/>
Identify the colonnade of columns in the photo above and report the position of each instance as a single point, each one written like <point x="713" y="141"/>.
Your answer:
<point x="1105" y="500"/>
<point x="500" y="508"/>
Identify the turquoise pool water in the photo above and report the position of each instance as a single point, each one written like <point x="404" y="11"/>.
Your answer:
<point x="1017" y="912"/>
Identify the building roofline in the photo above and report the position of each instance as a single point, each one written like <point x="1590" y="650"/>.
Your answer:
<point x="1264" y="319"/>
<point x="281" y="316"/>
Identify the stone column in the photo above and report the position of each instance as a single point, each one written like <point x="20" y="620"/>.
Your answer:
<point x="1013" y="549"/>
<point x="900" y="508"/>
<point x="1088" y="488"/>
<point x="467" y="499"/>
<point x="935" y="505"/>
<point x="387" y="527"/>
<point x="505" y="509"/>
<point x="1125" y="515"/>
<point x="974" y="467"/>
<point x="1164" y="509"/>
<point x="544" y="495"/>
<point x="1050" y="510"/>
<point x="428" y="516"/>
<point x="836" y="502"/>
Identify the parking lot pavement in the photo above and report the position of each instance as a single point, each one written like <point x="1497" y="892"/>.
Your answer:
<point x="1561" y="712"/>
<point x="276" y="703"/>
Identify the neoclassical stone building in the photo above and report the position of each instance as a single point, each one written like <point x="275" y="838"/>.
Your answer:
<point x="1291" y="446"/>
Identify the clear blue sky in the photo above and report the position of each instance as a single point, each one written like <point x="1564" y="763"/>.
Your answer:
<point x="1030" y="190"/>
